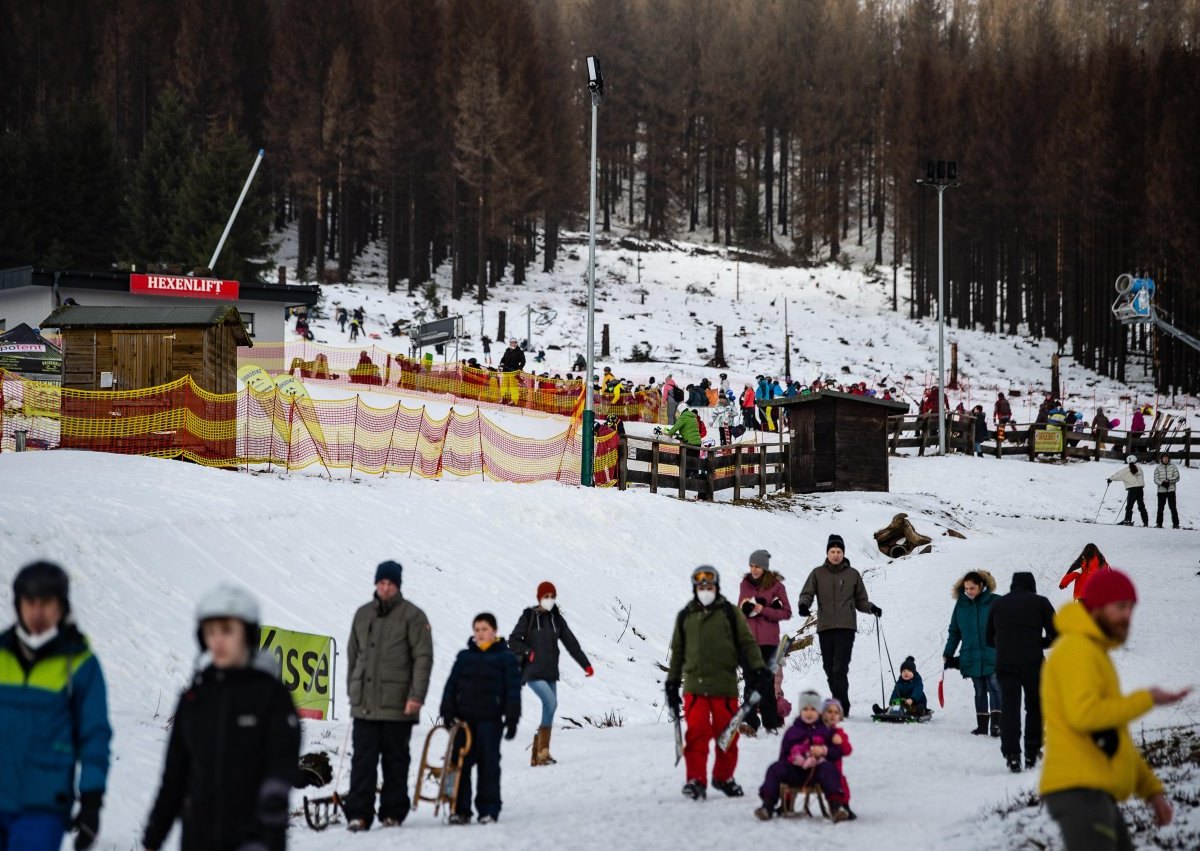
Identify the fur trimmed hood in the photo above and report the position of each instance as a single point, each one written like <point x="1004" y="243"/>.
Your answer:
<point x="989" y="583"/>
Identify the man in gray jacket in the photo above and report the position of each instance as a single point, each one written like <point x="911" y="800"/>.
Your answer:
<point x="838" y="591"/>
<point x="390" y="655"/>
<point x="1166" y="476"/>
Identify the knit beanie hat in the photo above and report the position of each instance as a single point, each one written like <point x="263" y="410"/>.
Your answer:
<point x="833" y="701"/>
<point x="547" y="589"/>
<point x="909" y="664"/>
<point x="389" y="570"/>
<point x="1108" y="586"/>
<point x="835" y="541"/>
<point x="762" y="558"/>
<point x="810" y="698"/>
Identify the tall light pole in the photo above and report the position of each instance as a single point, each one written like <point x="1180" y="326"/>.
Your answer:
<point x="588" y="452"/>
<point x="941" y="175"/>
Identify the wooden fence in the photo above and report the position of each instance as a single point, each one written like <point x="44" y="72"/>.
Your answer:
<point x="749" y="469"/>
<point x="921" y="433"/>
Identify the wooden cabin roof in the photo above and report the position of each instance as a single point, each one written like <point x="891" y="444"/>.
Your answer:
<point x="87" y="316"/>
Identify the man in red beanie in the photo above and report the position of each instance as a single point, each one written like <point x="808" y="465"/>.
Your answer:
<point x="1091" y="762"/>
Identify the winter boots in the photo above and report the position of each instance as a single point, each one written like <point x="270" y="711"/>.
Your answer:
<point x="981" y="724"/>
<point x="540" y="752"/>
<point x="730" y="787"/>
<point x="1014" y="764"/>
<point x="995" y="725"/>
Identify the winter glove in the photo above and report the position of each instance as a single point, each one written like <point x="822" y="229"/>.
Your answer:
<point x="803" y="610"/>
<point x="510" y="730"/>
<point x="674" y="700"/>
<point x="953" y="662"/>
<point x="589" y="671"/>
<point x="876" y="611"/>
<point x="747" y="608"/>
<point x="87" y="820"/>
<point x="448" y="721"/>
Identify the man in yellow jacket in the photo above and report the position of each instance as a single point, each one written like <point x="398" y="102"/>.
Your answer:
<point x="1091" y="762"/>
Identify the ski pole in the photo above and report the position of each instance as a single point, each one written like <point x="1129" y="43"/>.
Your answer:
<point x="879" y="629"/>
<point x="1098" y="508"/>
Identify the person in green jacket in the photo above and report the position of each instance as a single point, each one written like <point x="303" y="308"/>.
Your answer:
<point x="973" y="598"/>
<point x="687" y="429"/>
<point x="711" y="640"/>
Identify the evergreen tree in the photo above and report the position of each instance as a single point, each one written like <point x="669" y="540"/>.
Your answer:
<point x="153" y="202"/>
<point x="210" y="189"/>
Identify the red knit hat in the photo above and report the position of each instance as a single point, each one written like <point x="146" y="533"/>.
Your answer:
<point x="547" y="589"/>
<point x="1108" y="586"/>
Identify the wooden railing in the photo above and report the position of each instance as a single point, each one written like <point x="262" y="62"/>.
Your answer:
<point x="920" y="432"/>
<point x="747" y="468"/>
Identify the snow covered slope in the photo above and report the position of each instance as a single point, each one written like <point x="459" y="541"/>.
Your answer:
<point x="142" y="538"/>
<point x="840" y="320"/>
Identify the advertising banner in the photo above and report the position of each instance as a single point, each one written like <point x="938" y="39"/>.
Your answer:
<point x="183" y="286"/>
<point x="1050" y="440"/>
<point x="305" y="668"/>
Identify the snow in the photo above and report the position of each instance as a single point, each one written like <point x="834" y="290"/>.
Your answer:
<point x="143" y="538"/>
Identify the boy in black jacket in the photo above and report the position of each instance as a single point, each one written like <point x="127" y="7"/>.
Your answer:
<point x="484" y="690"/>
<point x="235" y="743"/>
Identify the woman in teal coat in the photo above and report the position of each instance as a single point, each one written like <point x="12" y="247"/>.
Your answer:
<point x="974" y="595"/>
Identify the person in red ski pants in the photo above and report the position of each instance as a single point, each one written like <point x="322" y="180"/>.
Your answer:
<point x="711" y="640"/>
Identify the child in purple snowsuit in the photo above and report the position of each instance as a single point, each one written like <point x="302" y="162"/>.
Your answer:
<point x="807" y="757"/>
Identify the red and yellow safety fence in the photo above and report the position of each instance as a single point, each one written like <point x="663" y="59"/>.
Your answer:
<point x="252" y="428"/>
<point x="373" y="368"/>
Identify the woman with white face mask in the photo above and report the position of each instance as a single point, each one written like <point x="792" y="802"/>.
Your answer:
<point x="535" y="641"/>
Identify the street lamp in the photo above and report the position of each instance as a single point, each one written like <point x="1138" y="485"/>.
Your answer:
<point x="588" y="452"/>
<point x="941" y="175"/>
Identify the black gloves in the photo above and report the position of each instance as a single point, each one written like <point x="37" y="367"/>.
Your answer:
<point x="674" y="700"/>
<point x="876" y="611"/>
<point x="511" y="716"/>
<point x="747" y="608"/>
<point x="87" y="820"/>
<point x="802" y="609"/>
<point x="953" y="662"/>
<point x="448" y="721"/>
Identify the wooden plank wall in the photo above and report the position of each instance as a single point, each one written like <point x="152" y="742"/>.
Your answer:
<point x="862" y="461"/>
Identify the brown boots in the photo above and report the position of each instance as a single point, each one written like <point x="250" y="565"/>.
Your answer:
<point x="540" y="753"/>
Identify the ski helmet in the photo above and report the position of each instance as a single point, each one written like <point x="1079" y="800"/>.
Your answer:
<point x="39" y="580"/>
<point x="229" y="601"/>
<point x="683" y="406"/>
<point x="706" y="573"/>
<point x="1132" y="459"/>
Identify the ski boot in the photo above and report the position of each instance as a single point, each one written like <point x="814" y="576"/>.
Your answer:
<point x="995" y="725"/>
<point x="695" y="790"/>
<point x="1014" y="764"/>
<point x="730" y="787"/>
<point x="391" y="822"/>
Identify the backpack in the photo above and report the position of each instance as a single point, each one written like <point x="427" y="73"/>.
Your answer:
<point x="703" y="430"/>
<point x="677" y="393"/>
<point x="729" y="613"/>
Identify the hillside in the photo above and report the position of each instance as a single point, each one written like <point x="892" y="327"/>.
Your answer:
<point x="142" y="538"/>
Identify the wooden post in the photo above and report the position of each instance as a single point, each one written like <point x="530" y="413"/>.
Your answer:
<point x="1187" y="448"/>
<point x="1066" y="442"/>
<point x="654" y="467"/>
<point x="604" y="341"/>
<point x="762" y="470"/>
<point x="622" y="462"/>
<point x="899" y="421"/>
<point x="683" y="448"/>
<point x="926" y="419"/>
<point x="283" y="276"/>
<point x="1054" y="376"/>
<point x="719" y="358"/>
<point x="737" y="472"/>
<point x="711" y="468"/>
<point x="1032" y="435"/>
<point x="953" y="384"/>
<point x="500" y="332"/>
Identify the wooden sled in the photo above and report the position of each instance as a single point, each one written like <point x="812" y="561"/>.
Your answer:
<point x="445" y="777"/>
<point x="788" y="796"/>
<point x="322" y="812"/>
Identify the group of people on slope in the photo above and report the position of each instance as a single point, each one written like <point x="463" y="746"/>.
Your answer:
<point x="713" y="637"/>
<point x="1166" y="479"/>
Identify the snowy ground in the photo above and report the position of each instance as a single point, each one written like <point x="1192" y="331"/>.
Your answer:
<point x="840" y="320"/>
<point x="142" y="538"/>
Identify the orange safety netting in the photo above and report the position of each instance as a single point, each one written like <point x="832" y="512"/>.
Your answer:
<point x="370" y="366"/>
<point x="181" y="420"/>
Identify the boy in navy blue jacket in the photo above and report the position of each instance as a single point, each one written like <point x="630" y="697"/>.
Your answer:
<point x="484" y="690"/>
<point x="909" y="691"/>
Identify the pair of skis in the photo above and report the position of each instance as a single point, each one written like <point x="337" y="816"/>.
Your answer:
<point x="752" y="700"/>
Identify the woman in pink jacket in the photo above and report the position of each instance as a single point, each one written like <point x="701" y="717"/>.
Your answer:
<point x="764" y="602"/>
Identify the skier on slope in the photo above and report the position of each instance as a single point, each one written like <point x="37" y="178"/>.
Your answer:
<point x="235" y="741"/>
<point x="1135" y="488"/>
<point x="535" y="642"/>
<point x="711" y="640"/>
<point x="54" y="718"/>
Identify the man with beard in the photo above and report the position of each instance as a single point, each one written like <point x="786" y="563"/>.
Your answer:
<point x="1091" y="762"/>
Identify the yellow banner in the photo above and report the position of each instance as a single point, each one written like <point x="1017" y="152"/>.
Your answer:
<point x="305" y="662"/>
<point x="1048" y="441"/>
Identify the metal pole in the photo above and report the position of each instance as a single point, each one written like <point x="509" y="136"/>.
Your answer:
<point x="529" y="328"/>
<point x="589" y="416"/>
<point x="229" y="224"/>
<point x="941" y="335"/>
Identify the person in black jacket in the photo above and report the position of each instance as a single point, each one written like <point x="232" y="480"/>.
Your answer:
<point x="511" y="363"/>
<point x="484" y="690"/>
<point x="980" y="429"/>
<point x="535" y="641"/>
<point x="1020" y="626"/>
<point x="235" y="742"/>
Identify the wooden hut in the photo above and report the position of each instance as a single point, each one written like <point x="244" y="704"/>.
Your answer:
<point x="133" y="348"/>
<point x="129" y="348"/>
<point x="839" y="441"/>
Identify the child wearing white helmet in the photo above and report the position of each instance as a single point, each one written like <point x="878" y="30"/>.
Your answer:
<point x="1135" y="486"/>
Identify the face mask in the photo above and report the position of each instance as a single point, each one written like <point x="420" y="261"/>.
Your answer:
<point x="706" y="597"/>
<point x="548" y="603"/>
<point x="36" y="642"/>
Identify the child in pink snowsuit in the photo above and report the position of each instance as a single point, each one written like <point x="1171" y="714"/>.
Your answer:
<point x="808" y="756"/>
<point x="831" y="714"/>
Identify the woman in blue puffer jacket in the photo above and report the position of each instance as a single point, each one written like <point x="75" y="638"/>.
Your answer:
<point x="974" y="595"/>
